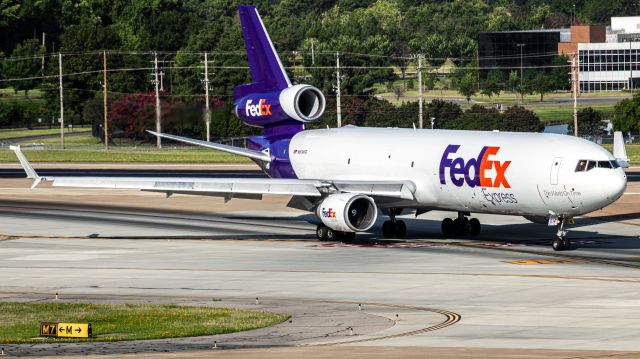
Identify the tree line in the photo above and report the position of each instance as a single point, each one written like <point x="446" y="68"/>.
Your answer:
<point x="371" y="35"/>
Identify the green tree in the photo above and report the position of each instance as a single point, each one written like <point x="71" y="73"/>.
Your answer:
<point x="520" y="119"/>
<point x="25" y="66"/>
<point x="542" y="84"/>
<point x="465" y="80"/>
<point x="493" y="84"/>
<point x="559" y="75"/>
<point x="500" y="19"/>
<point x="513" y="81"/>
<point x="626" y="114"/>
<point x="442" y="112"/>
<point x="477" y="118"/>
<point x="589" y="122"/>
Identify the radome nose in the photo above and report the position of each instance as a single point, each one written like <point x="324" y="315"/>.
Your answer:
<point x="615" y="184"/>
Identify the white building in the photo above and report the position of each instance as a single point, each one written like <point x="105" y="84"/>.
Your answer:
<point x="607" y="67"/>
<point x="626" y="24"/>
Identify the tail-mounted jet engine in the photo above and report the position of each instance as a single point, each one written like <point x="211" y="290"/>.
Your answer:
<point x="348" y="212"/>
<point x="303" y="103"/>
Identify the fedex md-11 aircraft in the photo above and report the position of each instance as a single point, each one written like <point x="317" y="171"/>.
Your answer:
<point x="349" y="176"/>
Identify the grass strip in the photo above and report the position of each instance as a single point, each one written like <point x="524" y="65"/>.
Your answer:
<point x="126" y="156"/>
<point x="20" y="322"/>
<point x="20" y="133"/>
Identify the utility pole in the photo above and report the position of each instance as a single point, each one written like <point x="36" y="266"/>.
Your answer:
<point x="61" y="102"/>
<point x="574" y="87"/>
<point x="420" y="89"/>
<point x="313" y="54"/>
<point x="45" y="50"/>
<point x="104" y="99"/>
<point x="338" y="90"/>
<point x="521" y="74"/>
<point x="158" y="129"/>
<point x="161" y="80"/>
<point x="207" y="113"/>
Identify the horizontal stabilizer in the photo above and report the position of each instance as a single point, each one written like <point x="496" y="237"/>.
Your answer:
<point x="218" y="146"/>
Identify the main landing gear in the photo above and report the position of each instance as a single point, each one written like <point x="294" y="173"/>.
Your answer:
<point x="561" y="242"/>
<point x="460" y="226"/>
<point x="325" y="233"/>
<point x="394" y="228"/>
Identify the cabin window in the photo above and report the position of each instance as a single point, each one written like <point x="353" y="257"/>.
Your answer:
<point x="582" y="166"/>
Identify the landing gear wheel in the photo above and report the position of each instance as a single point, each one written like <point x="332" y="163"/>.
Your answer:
<point x="558" y="244"/>
<point x="460" y="226"/>
<point x="333" y="235"/>
<point x="321" y="232"/>
<point x="400" y="229"/>
<point x="447" y="227"/>
<point x="474" y="226"/>
<point x="561" y="242"/>
<point x="348" y="236"/>
<point x="387" y="229"/>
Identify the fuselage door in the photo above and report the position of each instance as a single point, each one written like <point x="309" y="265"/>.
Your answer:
<point x="555" y="170"/>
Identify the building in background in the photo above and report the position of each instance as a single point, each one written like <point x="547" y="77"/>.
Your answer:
<point x="502" y="50"/>
<point x="609" y="66"/>
<point x="607" y="60"/>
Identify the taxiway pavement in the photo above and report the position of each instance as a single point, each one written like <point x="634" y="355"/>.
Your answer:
<point x="512" y="294"/>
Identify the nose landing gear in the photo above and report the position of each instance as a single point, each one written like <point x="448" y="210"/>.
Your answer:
<point x="461" y="226"/>
<point x="561" y="242"/>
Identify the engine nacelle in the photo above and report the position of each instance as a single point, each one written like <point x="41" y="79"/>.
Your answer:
<point x="303" y="103"/>
<point x="348" y="212"/>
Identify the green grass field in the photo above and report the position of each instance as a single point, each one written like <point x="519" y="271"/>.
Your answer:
<point x="147" y="155"/>
<point x="20" y="322"/>
<point x="633" y="151"/>
<point x="86" y="141"/>
<point x="19" y="133"/>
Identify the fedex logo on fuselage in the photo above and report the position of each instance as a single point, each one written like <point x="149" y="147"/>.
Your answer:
<point x="475" y="171"/>
<point x="262" y="108"/>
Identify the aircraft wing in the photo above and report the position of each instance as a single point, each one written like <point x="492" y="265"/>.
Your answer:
<point x="252" y="188"/>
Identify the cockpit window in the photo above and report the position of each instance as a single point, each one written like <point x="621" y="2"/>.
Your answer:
<point x="604" y="164"/>
<point x="582" y="166"/>
<point x="586" y="165"/>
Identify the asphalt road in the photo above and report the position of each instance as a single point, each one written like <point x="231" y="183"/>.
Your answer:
<point x="505" y="290"/>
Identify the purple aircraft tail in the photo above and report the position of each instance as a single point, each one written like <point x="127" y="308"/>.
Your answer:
<point x="267" y="72"/>
<point x="270" y="101"/>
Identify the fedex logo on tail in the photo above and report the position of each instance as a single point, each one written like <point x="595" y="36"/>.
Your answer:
<point x="262" y="108"/>
<point x="484" y="171"/>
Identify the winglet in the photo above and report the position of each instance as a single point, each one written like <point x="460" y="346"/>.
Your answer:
<point x="619" y="151"/>
<point x="31" y="173"/>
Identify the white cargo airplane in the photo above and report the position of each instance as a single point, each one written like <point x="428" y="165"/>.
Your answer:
<point x="345" y="175"/>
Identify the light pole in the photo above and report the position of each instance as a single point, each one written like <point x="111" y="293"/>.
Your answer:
<point x="521" y="46"/>
<point x="433" y="121"/>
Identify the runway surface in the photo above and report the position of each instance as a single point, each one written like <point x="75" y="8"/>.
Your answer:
<point x="502" y="294"/>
